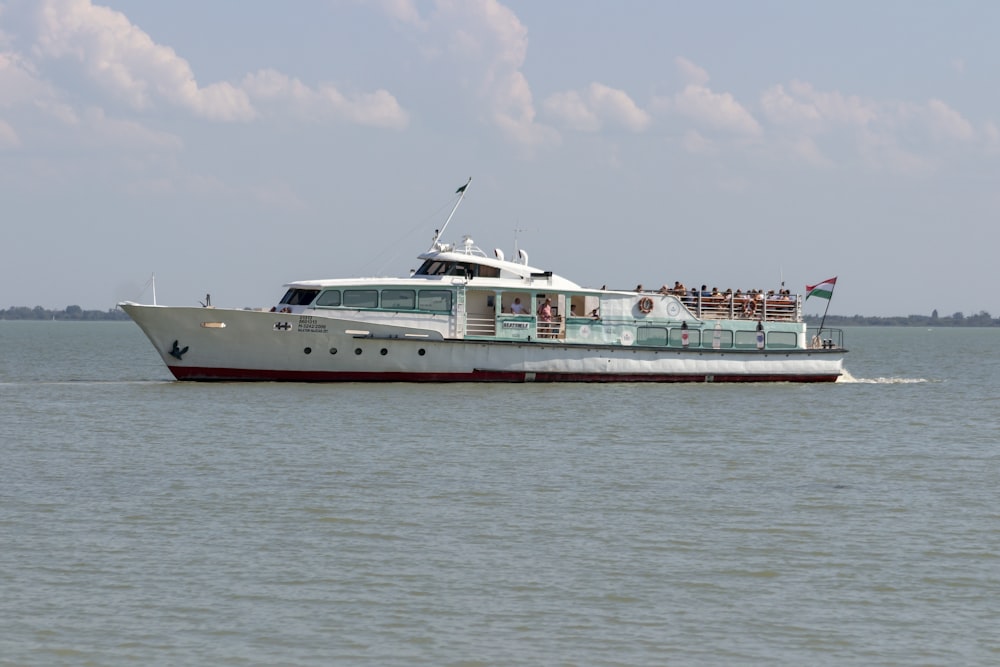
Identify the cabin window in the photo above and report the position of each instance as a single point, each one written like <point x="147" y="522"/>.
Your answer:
<point x="725" y="339"/>
<point x="329" y="299"/>
<point x="435" y="300"/>
<point x="361" y="298"/>
<point x="399" y="299"/>
<point x="299" y="297"/>
<point x="785" y="339"/>
<point x="651" y="336"/>
<point x="489" y="272"/>
<point x="677" y="340"/>
<point x="746" y="339"/>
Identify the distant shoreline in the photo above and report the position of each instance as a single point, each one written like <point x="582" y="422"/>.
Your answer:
<point x="981" y="319"/>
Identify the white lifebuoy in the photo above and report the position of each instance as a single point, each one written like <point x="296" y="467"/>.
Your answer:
<point x="645" y="304"/>
<point x="673" y="309"/>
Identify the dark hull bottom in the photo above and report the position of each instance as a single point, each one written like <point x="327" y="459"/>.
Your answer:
<point x="255" y="375"/>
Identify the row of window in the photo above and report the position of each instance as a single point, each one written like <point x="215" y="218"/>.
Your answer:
<point x="434" y="300"/>
<point x="674" y="337"/>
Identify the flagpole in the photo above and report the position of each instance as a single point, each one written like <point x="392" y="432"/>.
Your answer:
<point x="461" y="196"/>
<point x="823" y="320"/>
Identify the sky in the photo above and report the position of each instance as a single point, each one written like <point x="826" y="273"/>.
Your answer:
<point x="231" y="146"/>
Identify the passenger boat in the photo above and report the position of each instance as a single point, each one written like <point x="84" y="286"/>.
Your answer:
<point x="452" y="321"/>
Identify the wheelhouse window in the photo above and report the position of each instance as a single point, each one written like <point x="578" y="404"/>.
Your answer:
<point x="360" y="298"/>
<point x="399" y="299"/>
<point x="434" y="267"/>
<point x="299" y="297"/>
<point x="329" y="299"/>
<point x="438" y="301"/>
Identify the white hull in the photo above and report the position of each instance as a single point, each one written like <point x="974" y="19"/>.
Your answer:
<point x="224" y="344"/>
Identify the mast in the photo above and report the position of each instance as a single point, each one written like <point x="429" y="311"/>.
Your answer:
<point x="461" y="195"/>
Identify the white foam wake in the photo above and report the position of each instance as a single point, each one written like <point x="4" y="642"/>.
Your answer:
<point x="847" y="378"/>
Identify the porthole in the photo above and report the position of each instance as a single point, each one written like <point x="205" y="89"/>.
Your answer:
<point x="383" y="351"/>
<point x="357" y="350"/>
<point x="308" y="350"/>
<point x="422" y="352"/>
<point x="333" y="350"/>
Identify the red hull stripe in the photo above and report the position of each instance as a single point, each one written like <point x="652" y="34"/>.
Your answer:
<point x="258" y="375"/>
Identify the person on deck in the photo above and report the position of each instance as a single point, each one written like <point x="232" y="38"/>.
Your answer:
<point x="545" y="319"/>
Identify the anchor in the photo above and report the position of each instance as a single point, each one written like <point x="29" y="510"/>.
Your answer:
<point x="178" y="352"/>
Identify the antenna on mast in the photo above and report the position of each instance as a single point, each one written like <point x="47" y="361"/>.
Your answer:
<point x="461" y="195"/>
<point x="517" y="251"/>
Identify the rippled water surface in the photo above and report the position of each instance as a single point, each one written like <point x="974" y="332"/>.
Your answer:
<point x="145" y="521"/>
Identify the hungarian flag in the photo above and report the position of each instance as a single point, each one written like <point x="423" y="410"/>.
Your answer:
<point x="824" y="290"/>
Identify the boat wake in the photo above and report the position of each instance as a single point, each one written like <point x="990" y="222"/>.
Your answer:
<point x="847" y="378"/>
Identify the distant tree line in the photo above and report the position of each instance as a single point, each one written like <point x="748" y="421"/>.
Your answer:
<point x="981" y="319"/>
<point x="75" y="313"/>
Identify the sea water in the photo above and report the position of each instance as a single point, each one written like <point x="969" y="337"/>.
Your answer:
<point x="149" y="522"/>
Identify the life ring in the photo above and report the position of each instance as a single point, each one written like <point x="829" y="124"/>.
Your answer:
<point x="645" y="304"/>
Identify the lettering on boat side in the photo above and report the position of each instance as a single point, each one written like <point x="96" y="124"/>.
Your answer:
<point x="282" y="326"/>
<point x="515" y="325"/>
<point x="309" y="324"/>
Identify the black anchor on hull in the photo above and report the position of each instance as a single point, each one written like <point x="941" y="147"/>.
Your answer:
<point x="178" y="352"/>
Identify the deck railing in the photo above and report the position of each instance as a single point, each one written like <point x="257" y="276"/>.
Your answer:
<point x="722" y="308"/>
<point x="480" y="326"/>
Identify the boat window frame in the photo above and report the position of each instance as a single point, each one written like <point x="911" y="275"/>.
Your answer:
<point x="294" y="296"/>
<point x="366" y="305"/>
<point x="642" y="336"/>
<point x="726" y="342"/>
<point x="387" y="294"/>
<point x="741" y="335"/>
<point x="694" y="337"/>
<point x="775" y="340"/>
<point x="425" y="293"/>
<point x="319" y="299"/>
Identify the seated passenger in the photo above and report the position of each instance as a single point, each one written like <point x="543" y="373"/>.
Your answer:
<point x="517" y="308"/>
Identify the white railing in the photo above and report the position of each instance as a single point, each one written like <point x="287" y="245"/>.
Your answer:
<point x="480" y="326"/>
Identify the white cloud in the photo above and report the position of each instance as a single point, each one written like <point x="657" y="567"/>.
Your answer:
<point x="947" y="124"/>
<point x="123" y="60"/>
<point x="8" y="136"/>
<point x="719" y="111"/>
<point x="486" y="46"/>
<point x="403" y="11"/>
<point x="806" y="149"/>
<point x="516" y="119"/>
<point x="283" y="93"/>
<point x="572" y="110"/>
<point x="19" y="82"/>
<point x="691" y="73"/>
<point x="695" y="143"/>
<point x="589" y="110"/>
<point x="707" y="108"/>
<point x="881" y="151"/>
